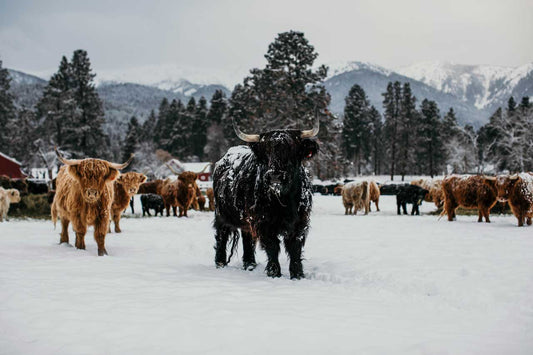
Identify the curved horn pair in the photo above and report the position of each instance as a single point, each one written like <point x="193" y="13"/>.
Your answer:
<point x="255" y="137"/>
<point x="77" y="161"/>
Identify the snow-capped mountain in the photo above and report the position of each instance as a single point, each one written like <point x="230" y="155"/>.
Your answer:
<point x="484" y="86"/>
<point x="374" y="79"/>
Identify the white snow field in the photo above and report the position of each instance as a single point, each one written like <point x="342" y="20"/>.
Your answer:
<point x="376" y="284"/>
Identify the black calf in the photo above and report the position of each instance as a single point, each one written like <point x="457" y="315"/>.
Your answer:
<point x="152" y="201"/>
<point x="410" y="194"/>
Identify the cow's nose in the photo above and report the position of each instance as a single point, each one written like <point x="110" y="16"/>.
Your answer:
<point x="132" y="191"/>
<point x="92" y="193"/>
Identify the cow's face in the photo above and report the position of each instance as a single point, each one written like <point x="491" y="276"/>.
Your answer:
<point x="131" y="182"/>
<point x="503" y="185"/>
<point x="92" y="175"/>
<point x="421" y="195"/>
<point x="14" y="195"/>
<point x="282" y="152"/>
<point x="188" y="177"/>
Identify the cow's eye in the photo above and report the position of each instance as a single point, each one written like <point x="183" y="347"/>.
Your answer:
<point x="310" y="154"/>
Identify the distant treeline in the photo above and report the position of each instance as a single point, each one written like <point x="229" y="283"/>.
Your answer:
<point x="286" y="94"/>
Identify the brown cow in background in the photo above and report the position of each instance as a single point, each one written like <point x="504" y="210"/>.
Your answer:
<point x="210" y="193"/>
<point x="517" y="190"/>
<point x="126" y="186"/>
<point x="356" y="195"/>
<point x="186" y="194"/>
<point x="151" y="187"/>
<point x="374" y="194"/>
<point x="84" y="196"/>
<point x="7" y="197"/>
<point x="468" y="192"/>
<point x="169" y="193"/>
<point x="434" y="186"/>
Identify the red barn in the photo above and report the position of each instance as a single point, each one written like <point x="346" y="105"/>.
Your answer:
<point x="10" y="167"/>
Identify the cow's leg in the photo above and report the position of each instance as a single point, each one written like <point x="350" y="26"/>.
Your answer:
<point x="80" y="229"/>
<point x="271" y="245"/>
<point x="479" y="215"/>
<point x="167" y="207"/>
<point x="174" y="208"/>
<point x="528" y="220"/>
<point x="450" y="209"/>
<point x="367" y="207"/>
<point x="485" y="211"/>
<point x="248" y="245"/>
<point x="64" y="230"/>
<point x="398" y="204"/>
<point x="520" y="217"/>
<point x="116" y="220"/>
<point x="377" y="204"/>
<point x="404" y="207"/>
<point x="222" y="233"/>
<point x="293" y="246"/>
<point x="99" y="237"/>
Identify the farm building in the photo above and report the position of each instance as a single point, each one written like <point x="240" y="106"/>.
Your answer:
<point x="10" y="167"/>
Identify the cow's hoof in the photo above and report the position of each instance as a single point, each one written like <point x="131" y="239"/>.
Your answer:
<point x="117" y="230"/>
<point x="297" y="271"/>
<point x="273" y="270"/>
<point x="220" y="264"/>
<point x="297" y="276"/>
<point x="102" y="252"/>
<point x="65" y="244"/>
<point x="249" y="265"/>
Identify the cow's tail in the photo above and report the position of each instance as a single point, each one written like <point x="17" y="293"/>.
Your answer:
<point x="234" y="241"/>
<point x="442" y="214"/>
<point x="53" y="211"/>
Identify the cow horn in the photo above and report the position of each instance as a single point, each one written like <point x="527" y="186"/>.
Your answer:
<point x="491" y="178"/>
<point x="250" y="138"/>
<point x="513" y="177"/>
<point x="123" y="165"/>
<point x="66" y="161"/>
<point x="205" y="167"/>
<point x="312" y="132"/>
<point x="172" y="170"/>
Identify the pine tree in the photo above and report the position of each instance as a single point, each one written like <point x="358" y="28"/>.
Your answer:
<point x="58" y="111"/>
<point x="21" y="144"/>
<point x="161" y="124"/>
<point x="91" y="140"/>
<point x="391" y="104"/>
<point x="216" y="143"/>
<point x="356" y="128"/>
<point x="148" y="129"/>
<point x="199" y="129"/>
<point x="524" y="104"/>
<point x="408" y="118"/>
<point x="286" y="94"/>
<point x="430" y="147"/>
<point x="131" y="142"/>
<point x="511" y="105"/>
<point x="7" y="108"/>
<point x="376" y="142"/>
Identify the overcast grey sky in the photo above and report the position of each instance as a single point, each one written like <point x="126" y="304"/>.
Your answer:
<point x="228" y="34"/>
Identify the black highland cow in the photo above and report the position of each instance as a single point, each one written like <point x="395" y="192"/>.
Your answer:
<point x="410" y="194"/>
<point x="152" y="201"/>
<point x="263" y="190"/>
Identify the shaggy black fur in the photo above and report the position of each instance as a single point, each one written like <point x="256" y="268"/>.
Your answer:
<point x="263" y="190"/>
<point x="152" y="201"/>
<point x="410" y="194"/>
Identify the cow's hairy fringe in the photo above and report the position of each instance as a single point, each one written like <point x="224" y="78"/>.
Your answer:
<point x="234" y="241"/>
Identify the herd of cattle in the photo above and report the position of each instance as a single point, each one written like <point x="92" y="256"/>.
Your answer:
<point x="467" y="191"/>
<point x="252" y="198"/>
